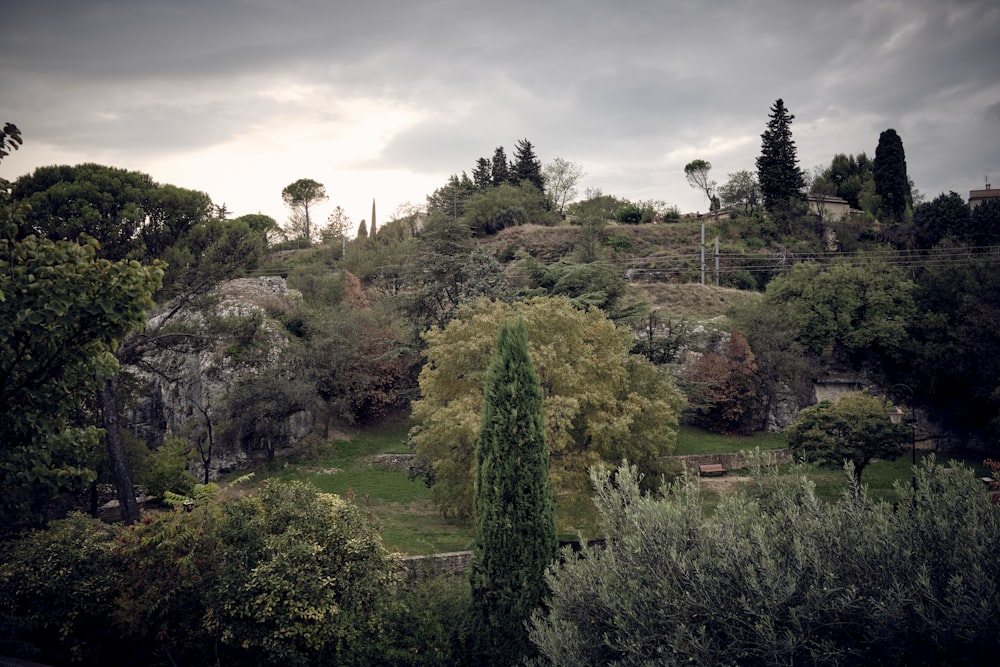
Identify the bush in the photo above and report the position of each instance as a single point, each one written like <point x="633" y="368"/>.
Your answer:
<point x="59" y="588"/>
<point x="779" y="577"/>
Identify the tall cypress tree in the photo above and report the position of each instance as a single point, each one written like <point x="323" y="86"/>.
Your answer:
<point x="527" y="166"/>
<point x="891" y="183"/>
<point x="777" y="165"/>
<point x="515" y="536"/>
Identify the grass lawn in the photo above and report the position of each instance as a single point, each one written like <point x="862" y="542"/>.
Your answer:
<point x="410" y="523"/>
<point x="691" y="440"/>
<point x="408" y="520"/>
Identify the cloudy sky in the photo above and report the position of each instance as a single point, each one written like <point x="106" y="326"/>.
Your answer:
<point x="384" y="99"/>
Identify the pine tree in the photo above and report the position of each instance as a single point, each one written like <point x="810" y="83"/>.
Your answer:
<point x="891" y="183"/>
<point x="515" y="531"/>
<point x="482" y="173"/>
<point x="777" y="166"/>
<point x="500" y="167"/>
<point x="527" y="166"/>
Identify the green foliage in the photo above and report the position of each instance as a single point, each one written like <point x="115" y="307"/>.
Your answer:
<point x="847" y="177"/>
<point x="506" y="205"/>
<point x="305" y="576"/>
<point x="741" y="191"/>
<point x="856" y="429"/>
<point x="600" y="402"/>
<point x="595" y="206"/>
<point x="165" y="469"/>
<point x="515" y="533"/>
<point x="855" y="311"/>
<point x="425" y="625"/>
<point x="62" y="314"/>
<point x="300" y="197"/>
<point x="59" y="588"/>
<point x="359" y="360"/>
<point x="891" y="183"/>
<point x="777" y="165"/>
<point x="629" y="214"/>
<point x="259" y="408"/>
<point x="526" y="165"/>
<point x="696" y="172"/>
<point x="779" y="577"/>
<point x="597" y="284"/>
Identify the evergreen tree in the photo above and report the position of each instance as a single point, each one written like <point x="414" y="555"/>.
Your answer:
<point x="891" y="183"/>
<point x="515" y="530"/>
<point x="500" y="168"/>
<point x="482" y="173"/>
<point x="362" y="231"/>
<point x="777" y="166"/>
<point x="372" y="234"/>
<point x="527" y="166"/>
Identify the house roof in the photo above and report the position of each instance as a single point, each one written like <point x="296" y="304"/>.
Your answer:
<point x="829" y="199"/>
<point x="984" y="194"/>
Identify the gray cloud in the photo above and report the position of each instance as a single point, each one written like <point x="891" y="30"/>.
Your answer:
<point x="630" y="89"/>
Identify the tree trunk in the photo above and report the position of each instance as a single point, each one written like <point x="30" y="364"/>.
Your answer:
<point x="116" y="453"/>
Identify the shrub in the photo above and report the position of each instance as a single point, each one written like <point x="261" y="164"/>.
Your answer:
<point x="779" y="577"/>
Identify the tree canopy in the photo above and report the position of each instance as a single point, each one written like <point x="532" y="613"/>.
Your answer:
<point x="600" y="402"/>
<point x="855" y="428"/>
<point x="300" y="197"/>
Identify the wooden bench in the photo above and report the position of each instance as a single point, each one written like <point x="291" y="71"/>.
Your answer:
<point x="710" y="469"/>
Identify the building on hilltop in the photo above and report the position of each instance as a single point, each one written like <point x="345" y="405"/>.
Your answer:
<point x="977" y="197"/>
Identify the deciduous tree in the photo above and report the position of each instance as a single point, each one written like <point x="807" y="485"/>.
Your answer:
<point x="855" y="428"/>
<point x="600" y="402"/>
<point x="515" y="537"/>
<point x="696" y="172"/>
<point x="561" y="178"/>
<point x="741" y="190"/>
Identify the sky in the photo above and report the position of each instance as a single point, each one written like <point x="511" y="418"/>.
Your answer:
<point x="384" y="99"/>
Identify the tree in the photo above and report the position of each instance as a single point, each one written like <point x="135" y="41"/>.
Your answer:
<point x="856" y="428"/>
<point x="62" y="315"/>
<point x="776" y="575"/>
<point x="696" y="173"/>
<point x="847" y="177"/>
<point x="722" y="389"/>
<point x="526" y="166"/>
<point x="300" y="197"/>
<point x="482" y="173"/>
<point x="856" y="312"/>
<point x="506" y="205"/>
<point x="561" y="178"/>
<point x="337" y="225"/>
<point x="600" y="402"/>
<point x="259" y="409"/>
<point x="450" y="199"/>
<point x="945" y="215"/>
<point x="10" y="139"/>
<point x="741" y="190"/>
<point x="891" y="182"/>
<point x="500" y="168"/>
<point x="515" y="538"/>
<point x="778" y="170"/>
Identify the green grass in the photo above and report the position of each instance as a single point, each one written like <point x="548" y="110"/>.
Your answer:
<point x="407" y="519"/>
<point x="691" y="440"/>
<point x="410" y="523"/>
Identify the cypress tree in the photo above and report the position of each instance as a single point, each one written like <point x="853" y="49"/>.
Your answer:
<point x="372" y="232"/>
<point x="515" y="536"/>
<point x="362" y="231"/>
<point x="778" y="165"/>
<point x="891" y="183"/>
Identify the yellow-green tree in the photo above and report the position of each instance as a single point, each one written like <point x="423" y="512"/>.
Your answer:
<point x="601" y="404"/>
